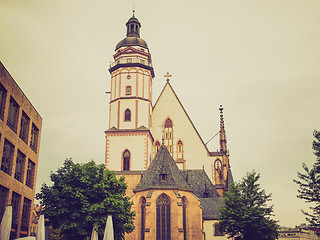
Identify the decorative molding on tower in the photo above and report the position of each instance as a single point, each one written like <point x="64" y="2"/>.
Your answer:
<point x="130" y="103"/>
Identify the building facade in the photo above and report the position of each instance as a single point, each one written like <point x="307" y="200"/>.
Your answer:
<point x="302" y="232"/>
<point x="174" y="181"/>
<point x="20" y="130"/>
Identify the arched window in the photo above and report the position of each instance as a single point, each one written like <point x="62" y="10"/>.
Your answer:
<point x="127" y="115"/>
<point x="168" y="123"/>
<point x="126" y="160"/>
<point x="181" y="162"/>
<point x="184" y="217"/>
<point x="180" y="146"/>
<point x="156" y="147"/>
<point x="168" y="135"/>
<point x="143" y="217"/>
<point x="163" y="218"/>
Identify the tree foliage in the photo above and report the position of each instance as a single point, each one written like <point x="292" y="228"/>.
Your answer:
<point x="84" y="194"/>
<point x="309" y="184"/>
<point x="245" y="214"/>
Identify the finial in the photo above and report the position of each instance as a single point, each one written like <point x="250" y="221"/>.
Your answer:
<point x="221" y="116"/>
<point x="168" y="76"/>
<point x="221" y="109"/>
<point x="223" y="139"/>
<point x="133" y="10"/>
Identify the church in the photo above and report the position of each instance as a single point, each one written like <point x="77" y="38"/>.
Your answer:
<point x="174" y="181"/>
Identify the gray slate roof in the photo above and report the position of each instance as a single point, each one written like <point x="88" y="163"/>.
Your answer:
<point x="162" y="173"/>
<point x="200" y="183"/>
<point x="229" y="179"/>
<point x="210" y="207"/>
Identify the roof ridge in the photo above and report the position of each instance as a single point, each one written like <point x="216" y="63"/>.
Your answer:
<point x="163" y="173"/>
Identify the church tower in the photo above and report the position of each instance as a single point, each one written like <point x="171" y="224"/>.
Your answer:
<point x="129" y="139"/>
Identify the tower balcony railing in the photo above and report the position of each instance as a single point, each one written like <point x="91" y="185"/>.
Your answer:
<point x="131" y="60"/>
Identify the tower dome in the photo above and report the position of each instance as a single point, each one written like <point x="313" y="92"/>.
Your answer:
<point x="133" y="35"/>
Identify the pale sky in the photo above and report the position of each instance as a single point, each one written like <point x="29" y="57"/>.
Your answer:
<point x="259" y="59"/>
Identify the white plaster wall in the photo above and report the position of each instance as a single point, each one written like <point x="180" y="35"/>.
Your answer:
<point x="143" y="109"/>
<point x="113" y="115"/>
<point x="208" y="229"/>
<point x="130" y="104"/>
<point x="136" y="146"/>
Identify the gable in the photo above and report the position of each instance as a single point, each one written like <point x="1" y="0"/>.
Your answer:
<point x="169" y="105"/>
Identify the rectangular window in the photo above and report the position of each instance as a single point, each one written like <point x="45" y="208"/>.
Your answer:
<point x="128" y="90"/>
<point x="13" y="115"/>
<point x="30" y="174"/>
<point x="7" y="157"/>
<point x="19" y="166"/>
<point x="24" y="127"/>
<point x="16" y="199"/>
<point x="34" y="138"/>
<point x="25" y="217"/>
<point x="3" y="199"/>
<point x="3" y="95"/>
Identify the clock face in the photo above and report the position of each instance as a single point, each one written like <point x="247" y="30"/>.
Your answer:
<point x="217" y="164"/>
<point x="128" y="76"/>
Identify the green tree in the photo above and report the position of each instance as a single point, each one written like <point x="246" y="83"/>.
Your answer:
<point x="309" y="184"/>
<point x="84" y="194"/>
<point x="244" y="213"/>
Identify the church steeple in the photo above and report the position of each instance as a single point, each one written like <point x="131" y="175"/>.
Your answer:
<point x="129" y="139"/>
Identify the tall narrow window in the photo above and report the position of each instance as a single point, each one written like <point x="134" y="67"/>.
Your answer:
<point x="30" y="174"/>
<point x="127" y="115"/>
<point x="3" y="94"/>
<point x="3" y="199"/>
<point x="13" y="114"/>
<point x="126" y="160"/>
<point x="168" y="135"/>
<point x="143" y="218"/>
<point x="24" y="127"/>
<point x="19" y="166"/>
<point x="7" y="157"/>
<point x="34" y="138"/>
<point x="16" y="198"/>
<point x="25" y="217"/>
<point x="163" y="218"/>
<point x="181" y="162"/>
<point x="156" y="147"/>
<point x="184" y="218"/>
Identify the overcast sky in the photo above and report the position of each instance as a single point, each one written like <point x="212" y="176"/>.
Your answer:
<point x="259" y="59"/>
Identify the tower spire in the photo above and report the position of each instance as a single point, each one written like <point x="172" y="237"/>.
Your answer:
<point x="223" y="138"/>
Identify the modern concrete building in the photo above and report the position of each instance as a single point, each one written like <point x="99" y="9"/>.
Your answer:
<point x="20" y="130"/>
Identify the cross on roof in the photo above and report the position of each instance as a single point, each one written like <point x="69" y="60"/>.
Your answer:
<point x="168" y="76"/>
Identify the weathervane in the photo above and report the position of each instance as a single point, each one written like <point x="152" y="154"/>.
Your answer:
<point x="133" y="10"/>
<point x="168" y="76"/>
